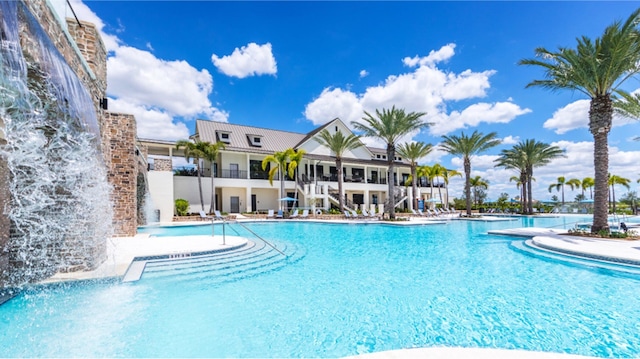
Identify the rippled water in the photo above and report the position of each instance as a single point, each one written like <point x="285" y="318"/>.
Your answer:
<point x="359" y="289"/>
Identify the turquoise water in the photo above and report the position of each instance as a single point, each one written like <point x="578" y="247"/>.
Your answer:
<point x="359" y="289"/>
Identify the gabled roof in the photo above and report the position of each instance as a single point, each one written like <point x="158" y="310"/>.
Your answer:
<point x="311" y="134"/>
<point x="271" y="140"/>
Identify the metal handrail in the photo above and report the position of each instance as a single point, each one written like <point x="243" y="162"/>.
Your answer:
<point x="262" y="239"/>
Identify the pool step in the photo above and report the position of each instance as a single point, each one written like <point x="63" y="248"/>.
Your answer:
<point x="253" y="259"/>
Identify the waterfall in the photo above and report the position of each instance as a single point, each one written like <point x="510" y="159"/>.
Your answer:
<point x="59" y="210"/>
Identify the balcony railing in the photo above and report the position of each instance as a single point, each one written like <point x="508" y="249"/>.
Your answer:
<point x="233" y="174"/>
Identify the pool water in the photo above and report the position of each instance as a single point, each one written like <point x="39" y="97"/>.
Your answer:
<point x="358" y="289"/>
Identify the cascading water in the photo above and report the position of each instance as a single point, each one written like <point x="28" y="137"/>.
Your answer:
<point x="59" y="210"/>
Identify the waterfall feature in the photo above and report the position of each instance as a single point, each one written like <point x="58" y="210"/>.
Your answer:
<point x="59" y="208"/>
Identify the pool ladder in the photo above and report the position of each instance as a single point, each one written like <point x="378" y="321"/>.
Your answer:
<point x="225" y="223"/>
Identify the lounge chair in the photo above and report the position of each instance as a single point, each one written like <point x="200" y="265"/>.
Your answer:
<point x="294" y="214"/>
<point x="432" y="213"/>
<point x="305" y="214"/>
<point x="280" y="214"/>
<point x="270" y="214"/>
<point x="421" y="212"/>
<point x="413" y="211"/>
<point x="204" y="216"/>
<point x="347" y="215"/>
<point x="218" y="215"/>
<point x="354" y="214"/>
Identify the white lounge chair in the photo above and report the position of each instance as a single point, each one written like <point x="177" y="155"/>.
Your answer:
<point x="270" y="214"/>
<point x="204" y="216"/>
<point x="280" y="214"/>
<point x="218" y="215"/>
<point x="305" y="214"/>
<point x="421" y="212"/>
<point x="347" y="215"/>
<point x="294" y="214"/>
<point x="354" y="214"/>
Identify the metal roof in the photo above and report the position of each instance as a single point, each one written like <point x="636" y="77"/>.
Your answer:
<point x="271" y="140"/>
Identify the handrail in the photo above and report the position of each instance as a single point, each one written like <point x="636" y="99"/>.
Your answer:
<point x="262" y="239"/>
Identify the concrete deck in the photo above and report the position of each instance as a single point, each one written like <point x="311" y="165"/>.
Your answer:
<point x="121" y="251"/>
<point x="616" y="251"/>
<point x="463" y="353"/>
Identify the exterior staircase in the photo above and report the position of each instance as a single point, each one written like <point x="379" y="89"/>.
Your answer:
<point x="334" y="197"/>
<point x="399" y="195"/>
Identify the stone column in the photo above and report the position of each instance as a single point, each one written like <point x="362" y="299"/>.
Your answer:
<point x="5" y="224"/>
<point x="123" y="172"/>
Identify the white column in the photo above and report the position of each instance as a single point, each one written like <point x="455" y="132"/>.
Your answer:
<point x="410" y="197"/>
<point x="248" y="199"/>
<point x="248" y="169"/>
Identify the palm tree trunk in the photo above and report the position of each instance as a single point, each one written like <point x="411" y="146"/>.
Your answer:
<point x="446" y="188"/>
<point x="467" y="183"/>
<point x="390" y="184"/>
<point x="340" y="194"/>
<point x="282" y="186"/>
<point x="600" y="114"/>
<point x="200" y="186"/>
<point x="414" y="185"/>
<point x="530" y="194"/>
<point x="212" y="207"/>
<point x="562" y="188"/>
<point x="440" y="193"/>
<point x="613" y="194"/>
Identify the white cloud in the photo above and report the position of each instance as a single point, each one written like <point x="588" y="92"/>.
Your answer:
<point x="576" y="115"/>
<point x="250" y="60"/>
<point x="141" y="78"/>
<point x="364" y="73"/>
<point x="334" y="103"/>
<point x="425" y="89"/>
<point x="510" y="140"/>
<point x="500" y="112"/>
<point x="443" y="54"/>
<point x="151" y="123"/>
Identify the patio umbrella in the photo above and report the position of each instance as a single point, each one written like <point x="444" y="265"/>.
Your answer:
<point x="288" y="199"/>
<point x="586" y="201"/>
<point x="432" y="200"/>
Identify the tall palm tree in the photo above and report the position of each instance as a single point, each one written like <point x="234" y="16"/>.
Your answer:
<point x="294" y="162"/>
<point x="587" y="183"/>
<point x="559" y="186"/>
<point x="280" y="159"/>
<point x="211" y="152"/>
<point x="338" y="143"/>
<point x="597" y="68"/>
<point x="478" y="183"/>
<point x="614" y="180"/>
<point x="195" y="150"/>
<point x="446" y="175"/>
<point x="390" y="126"/>
<point x="467" y="146"/>
<point x="412" y="152"/>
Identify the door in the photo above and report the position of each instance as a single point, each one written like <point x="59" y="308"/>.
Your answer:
<point x="254" y="203"/>
<point x="235" y="205"/>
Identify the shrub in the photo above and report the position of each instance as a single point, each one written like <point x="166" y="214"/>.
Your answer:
<point x="182" y="206"/>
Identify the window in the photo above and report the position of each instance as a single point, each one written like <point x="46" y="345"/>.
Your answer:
<point x="255" y="140"/>
<point x="224" y="136"/>
<point x="378" y="156"/>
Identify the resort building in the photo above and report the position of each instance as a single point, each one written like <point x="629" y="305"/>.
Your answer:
<point x="241" y="185"/>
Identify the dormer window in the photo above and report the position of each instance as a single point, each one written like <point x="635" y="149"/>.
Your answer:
<point x="224" y="136"/>
<point x="255" y="140"/>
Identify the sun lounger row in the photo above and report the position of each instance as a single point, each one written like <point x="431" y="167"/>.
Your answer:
<point x="216" y="216"/>
<point x="280" y="214"/>
<point x="365" y="215"/>
<point x="437" y="212"/>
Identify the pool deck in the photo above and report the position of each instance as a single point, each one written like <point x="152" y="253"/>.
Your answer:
<point x="463" y="353"/>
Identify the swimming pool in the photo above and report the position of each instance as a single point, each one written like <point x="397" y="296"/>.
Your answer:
<point x="358" y="289"/>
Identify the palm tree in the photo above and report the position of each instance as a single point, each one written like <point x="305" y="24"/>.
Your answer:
<point x="294" y="162"/>
<point x="516" y="159"/>
<point x="211" y="152"/>
<point x="587" y="182"/>
<point x="412" y="152"/>
<point x="476" y="183"/>
<point x="614" y="180"/>
<point x="425" y="171"/>
<point x="597" y="69"/>
<point x="522" y="187"/>
<point x="559" y="186"/>
<point x="195" y="150"/>
<point x="338" y="143"/>
<point x="280" y="159"/>
<point x="390" y="126"/>
<point x="437" y="171"/>
<point x="446" y="175"/>
<point x="467" y="146"/>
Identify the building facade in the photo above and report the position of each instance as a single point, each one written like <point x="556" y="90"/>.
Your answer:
<point x="242" y="185"/>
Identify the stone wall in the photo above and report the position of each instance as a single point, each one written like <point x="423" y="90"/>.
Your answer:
<point x="123" y="173"/>
<point x="162" y="164"/>
<point x="5" y="224"/>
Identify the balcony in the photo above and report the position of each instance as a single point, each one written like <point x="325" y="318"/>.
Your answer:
<point x="232" y="174"/>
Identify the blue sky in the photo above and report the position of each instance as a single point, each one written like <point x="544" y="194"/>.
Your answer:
<point x="295" y="65"/>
